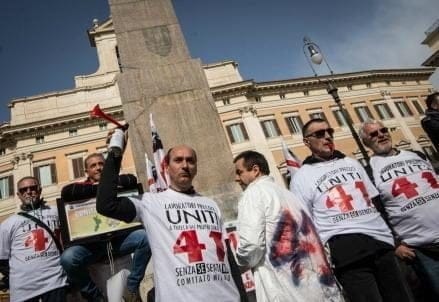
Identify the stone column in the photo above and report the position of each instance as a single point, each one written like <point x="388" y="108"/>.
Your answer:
<point x="257" y="137"/>
<point x="159" y="77"/>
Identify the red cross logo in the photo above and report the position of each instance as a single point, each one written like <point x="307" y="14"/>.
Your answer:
<point x="37" y="240"/>
<point x="338" y="197"/>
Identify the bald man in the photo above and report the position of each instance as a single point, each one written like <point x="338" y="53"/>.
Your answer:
<point x="185" y="231"/>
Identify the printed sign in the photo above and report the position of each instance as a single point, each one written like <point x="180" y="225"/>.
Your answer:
<point x="80" y="222"/>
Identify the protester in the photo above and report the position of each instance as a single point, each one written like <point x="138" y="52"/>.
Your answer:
<point x="76" y="259"/>
<point x="409" y="191"/>
<point x="277" y="239"/>
<point x="30" y="248"/>
<point x="430" y="122"/>
<point x="339" y="195"/>
<point x="185" y="230"/>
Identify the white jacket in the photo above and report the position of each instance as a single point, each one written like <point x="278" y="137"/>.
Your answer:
<point x="278" y="241"/>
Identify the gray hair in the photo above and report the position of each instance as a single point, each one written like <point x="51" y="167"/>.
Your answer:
<point x="362" y="131"/>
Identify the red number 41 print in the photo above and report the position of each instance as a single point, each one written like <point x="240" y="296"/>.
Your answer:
<point x="338" y="197"/>
<point x="187" y="242"/>
<point x="404" y="186"/>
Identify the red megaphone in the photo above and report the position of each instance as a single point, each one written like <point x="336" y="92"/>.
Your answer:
<point x="97" y="112"/>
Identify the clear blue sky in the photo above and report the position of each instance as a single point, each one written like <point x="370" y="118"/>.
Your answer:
<point x="43" y="44"/>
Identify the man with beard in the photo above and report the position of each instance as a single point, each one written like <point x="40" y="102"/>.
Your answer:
<point x="277" y="239"/>
<point x="339" y="195"/>
<point x="77" y="258"/>
<point x="409" y="191"/>
<point x="29" y="254"/>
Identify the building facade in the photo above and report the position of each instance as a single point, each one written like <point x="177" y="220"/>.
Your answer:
<point x="432" y="41"/>
<point x="49" y="134"/>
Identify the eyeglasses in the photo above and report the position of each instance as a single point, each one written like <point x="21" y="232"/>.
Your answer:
<point x="321" y="133"/>
<point x="375" y="133"/>
<point x="31" y="188"/>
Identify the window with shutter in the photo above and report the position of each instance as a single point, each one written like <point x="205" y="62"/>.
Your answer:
<point x="403" y="109"/>
<point x="46" y="174"/>
<point x="295" y="124"/>
<point x="383" y="111"/>
<point x="270" y="128"/>
<point x="11" y="185"/>
<point x="418" y="107"/>
<point x="37" y="174"/>
<point x="6" y="187"/>
<point x="339" y="117"/>
<point x="363" y="113"/>
<point x="78" y="167"/>
<point x="237" y="133"/>
<point x="53" y="173"/>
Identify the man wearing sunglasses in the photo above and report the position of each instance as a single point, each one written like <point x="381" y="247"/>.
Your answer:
<point x="409" y="191"/>
<point x="28" y="252"/>
<point x="339" y="195"/>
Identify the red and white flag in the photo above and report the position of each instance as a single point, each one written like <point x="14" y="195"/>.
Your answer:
<point x="151" y="175"/>
<point x="293" y="164"/>
<point x="162" y="179"/>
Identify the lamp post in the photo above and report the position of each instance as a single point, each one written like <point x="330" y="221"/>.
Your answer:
<point x="316" y="56"/>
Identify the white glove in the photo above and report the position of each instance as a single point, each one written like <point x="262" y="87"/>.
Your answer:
<point x="117" y="142"/>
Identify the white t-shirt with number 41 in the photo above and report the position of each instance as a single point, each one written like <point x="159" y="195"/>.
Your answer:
<point x="186" y="235"/>
<point x="409" y="190"/>
<point x="339" y="195"/>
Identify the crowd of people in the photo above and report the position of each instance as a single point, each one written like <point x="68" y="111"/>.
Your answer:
<point x="337" y="234"/>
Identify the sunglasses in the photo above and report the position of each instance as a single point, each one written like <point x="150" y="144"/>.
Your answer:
<point x="321" y="133"/>
<point x="31" y="188"/>
<point x="375" y="133"/>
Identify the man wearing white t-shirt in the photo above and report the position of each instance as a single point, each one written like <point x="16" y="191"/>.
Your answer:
<point x="409" y="191"/>
<point x="278" y="240"/>
<point x="29" y="254"/>
<point x="185" y="231"/>
<point x="339" y="195"/>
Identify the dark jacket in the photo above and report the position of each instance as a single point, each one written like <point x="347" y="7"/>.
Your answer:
<point x="430" y="123"/>
<point x="313" y="160"/>
<point x="86" y="189"/>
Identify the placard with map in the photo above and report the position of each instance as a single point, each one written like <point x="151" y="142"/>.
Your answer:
<point x="80" y="222"/>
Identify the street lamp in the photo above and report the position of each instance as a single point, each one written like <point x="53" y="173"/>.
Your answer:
<point x="315" y="56"/>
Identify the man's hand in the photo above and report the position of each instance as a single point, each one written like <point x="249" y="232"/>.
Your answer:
<point x="405" y="253"/>
<point x="117" y="139"/>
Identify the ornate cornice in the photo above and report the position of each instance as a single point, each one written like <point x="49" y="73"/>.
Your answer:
<point x="57" y="125"/>
<point x="251" y="88"/>
<point x="234" y="89"/>
<point x="432" y="60"/>
<point x="385" y="92"/>
<point x="248" y="109"/>
<point x="62" y="92"/>
<point x="105" y="27"/>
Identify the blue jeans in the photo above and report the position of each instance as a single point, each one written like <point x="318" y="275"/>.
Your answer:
<point x="75" y="260"/>
<point x="427" y="267"/>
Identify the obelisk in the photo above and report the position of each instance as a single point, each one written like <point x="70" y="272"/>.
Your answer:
<point x="160" y="77"/>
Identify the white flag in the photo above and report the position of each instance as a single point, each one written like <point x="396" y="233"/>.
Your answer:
<point x="293" y="164"/>
<point x="162" y="179"/>
<point x="151" y="175"/>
